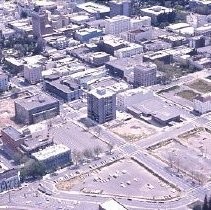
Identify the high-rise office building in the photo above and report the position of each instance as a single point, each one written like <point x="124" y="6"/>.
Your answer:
<point x="120" y="7"/>
<point x="101" y="105"/>
<point x="39" y="23"/>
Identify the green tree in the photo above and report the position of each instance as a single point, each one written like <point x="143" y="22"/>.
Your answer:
<point x="76" y="157"/>
<point x="15" y="91"/>
<point x="32" y="168"/>
<point x="88" y="153"/>
<point x="97" y="151"/>
<point x="210" y="203"/>
<point x="205" y="204"/>
<point x="110" y="148"/>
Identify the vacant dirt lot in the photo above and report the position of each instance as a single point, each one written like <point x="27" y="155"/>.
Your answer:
<point x="201" y="86"/>
<point x="187" y="94"/>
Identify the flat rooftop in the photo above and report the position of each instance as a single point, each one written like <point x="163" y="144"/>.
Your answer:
<point x="157" y="10"/>
<point x="111" y="205"/>
<point x="50" y="151"/>
<point x="101" y="93"/>
<point x="118" y="18"/>
<point x="8" y="173"/>
<point x="33" y="102"/>
<point x="157" y="108"/>
<point x="93" y="8"/>
<point x="12" y="132"/>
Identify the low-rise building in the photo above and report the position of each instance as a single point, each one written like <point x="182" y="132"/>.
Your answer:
<point x="202" y="104"/>
<point x="124" y="67"/>
<point x="99" y="58"/>
<point x="111" y="205"/>
<point x="53" y="157"/>
<point x="11" y="138"/>
<point x="139" y="34"/>
<point x="203" y="30"/>
<point x="96" y="10"/>
<point x="24" y="141"/>
<point x="14" y="65"/>
<point x="174" y="40"/>
<point x="129" y="51"/>
<point x="9" y="179"/>
<point x="36" y="108"/>
<point x="85" y="34"/>
<point x="64" y="88"/>
<point x="133" y="96"/>
<point x="155" y="109"/>
<point x="155" y="11"/>
<point x="110" y="44"/>
<point x="200" y="6"/>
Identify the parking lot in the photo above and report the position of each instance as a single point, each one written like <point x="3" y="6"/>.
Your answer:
<point x="122" y="178"/>
<point x="75" y="137"/>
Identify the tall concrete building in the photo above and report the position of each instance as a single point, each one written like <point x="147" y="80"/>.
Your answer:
<point x="145" y="74"/>
<point x="101" y="105"/>
<point x="120" y="7"/>
<point x="3" y="82"/>
<point x="40" y="23"/>
<point x="117" y="24"/>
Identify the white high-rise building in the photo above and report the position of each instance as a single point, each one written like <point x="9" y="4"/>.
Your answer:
<point x="117" y="24"/>
<point x="195" y="20"/>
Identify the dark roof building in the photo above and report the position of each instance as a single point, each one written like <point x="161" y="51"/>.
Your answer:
<point x="65" y="89"/>
<point x="36" y="108"/>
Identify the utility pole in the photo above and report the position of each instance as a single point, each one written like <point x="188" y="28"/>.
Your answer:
<point x="9" y="197"/>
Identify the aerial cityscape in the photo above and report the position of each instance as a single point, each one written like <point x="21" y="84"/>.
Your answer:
<point x="105" y="105"/>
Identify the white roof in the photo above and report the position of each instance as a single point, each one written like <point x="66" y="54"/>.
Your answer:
<point x="101" y="93"/>
<point x="202" y="1"/>
<point x="177" y="26"/>
<point x="118" y="18"/>
<point x="79" y="18"/>
<point x="50" y="151"/>
<point x="204" y="28"/>
<point x="112" y="205"/>
<point x="92" y="7"/>
<point x="156" y="10"/>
